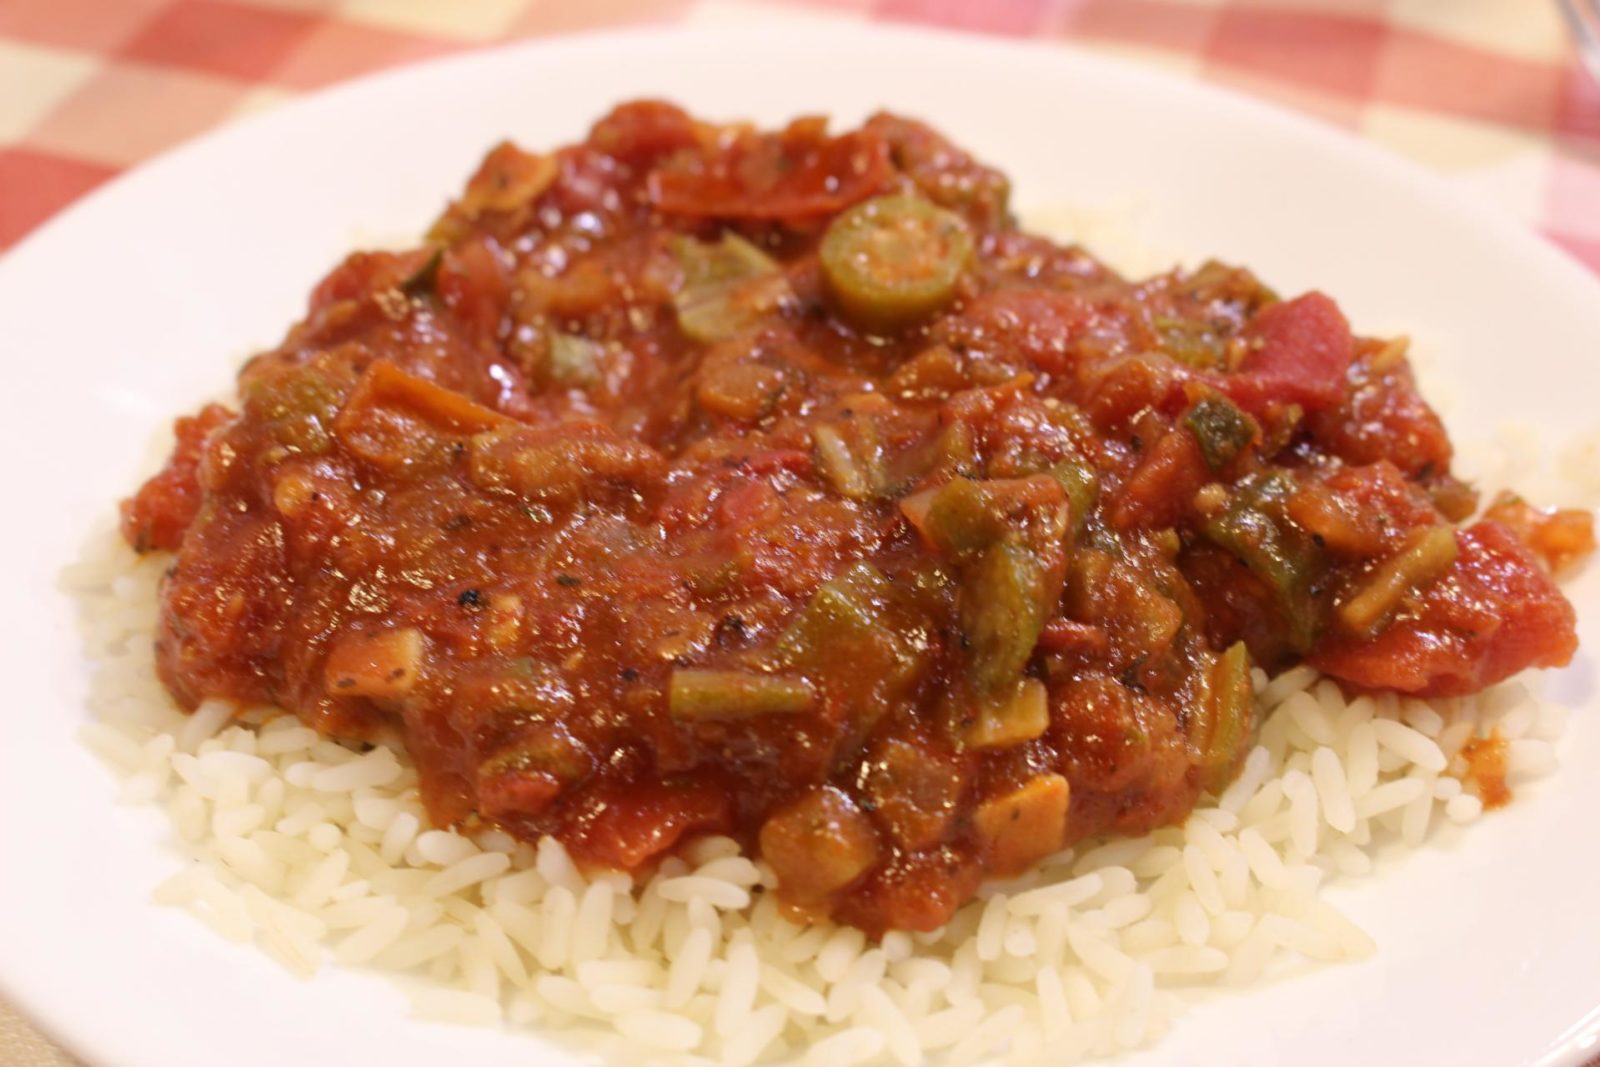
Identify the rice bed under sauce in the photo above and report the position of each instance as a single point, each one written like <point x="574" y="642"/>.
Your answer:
<point x="315" y="852"/>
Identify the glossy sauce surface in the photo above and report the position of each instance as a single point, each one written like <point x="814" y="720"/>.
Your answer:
<point x="697" y="479"/>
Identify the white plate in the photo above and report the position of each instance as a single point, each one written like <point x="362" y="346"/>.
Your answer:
<point x="144" y="298"/>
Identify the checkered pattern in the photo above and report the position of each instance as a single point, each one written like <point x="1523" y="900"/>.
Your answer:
<point x="1488" y="92"/>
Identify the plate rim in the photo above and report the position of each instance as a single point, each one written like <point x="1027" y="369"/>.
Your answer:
<point x="1554" y="263"/>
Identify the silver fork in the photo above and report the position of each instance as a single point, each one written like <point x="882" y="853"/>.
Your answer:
<point x="1583" y="16"/>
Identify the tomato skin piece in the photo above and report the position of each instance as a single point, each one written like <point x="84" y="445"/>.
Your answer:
<point x="1559" y="536"/>
<point x="1361" y="512"/>
<point x="516" y="795"/>
<point x="1494" y="613"/>
<point x="157" y="517"/>
<point x="1024" y="326"/>
<point x="363" y="273"/>
<point x="641" y="131"/>
<point x="1300" y="353"/>
<point x="921" y="892"/>
<point x="473" y="284"/>
<point x="1384" y="418"/>
<point x="623" y="827"/>
<point x="1159" y="491"/>
<point x="784" y="178"/>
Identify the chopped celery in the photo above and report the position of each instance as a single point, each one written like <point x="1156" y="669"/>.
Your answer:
<point x="1426" y="555"/>
<point x="956" y="450"/>
<point x="1020" y="715"/>
<point x="730" y="259"/>
<point x="727" y="287"/>
<point x="1222" y="429"/>
<point x="1081" y="485"/>
<point x="855" y="470"/>
<point x="1220" y="725"/>
<point x="1255" y="529"/>
<point x="1149" y="618"/>
<point x="714" y="694"/>
<point x="574" y="360"/>
<point x="1001" y="612"/>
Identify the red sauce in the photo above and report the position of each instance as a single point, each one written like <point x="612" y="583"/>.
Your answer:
<point x="697" y="479"/>
<point x="1486" y="768"/>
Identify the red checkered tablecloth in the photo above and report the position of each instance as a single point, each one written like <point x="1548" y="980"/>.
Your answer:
<point x="1487" y="92"/>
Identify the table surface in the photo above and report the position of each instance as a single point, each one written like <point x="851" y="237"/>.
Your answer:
<point x="1488" y="93"/>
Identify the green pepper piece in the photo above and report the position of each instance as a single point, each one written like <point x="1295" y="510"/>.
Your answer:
<point x="1222" y="429"/>
<point x="843" y="609"/>
<point x="1255" y="529"/>
<point x="297" y="404"/>
<point x="893" y="260"/>
<point x="696" y="695"/>
<point x="962" y="518"/>
<point x="421" y="281"/>
<point x="956" y="450"/>
<point x="727" y="287"/>
<point x="1214" y="282"/>
<point x="1001" y="612"/>
<point x="1190" y="342"/>
<point x="1220" y="724"/>
<point x="861" y="639"/>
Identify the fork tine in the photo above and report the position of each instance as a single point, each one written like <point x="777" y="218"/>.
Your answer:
<point x="1574" y="18"/>
<point x="1584" y="22"/>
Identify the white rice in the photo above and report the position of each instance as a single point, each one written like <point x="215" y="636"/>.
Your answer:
<point x="316" y="852"/>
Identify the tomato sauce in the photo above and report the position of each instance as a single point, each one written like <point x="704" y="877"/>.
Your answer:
<point x="694" y="478"/>
<point x="1486" y="768"/>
